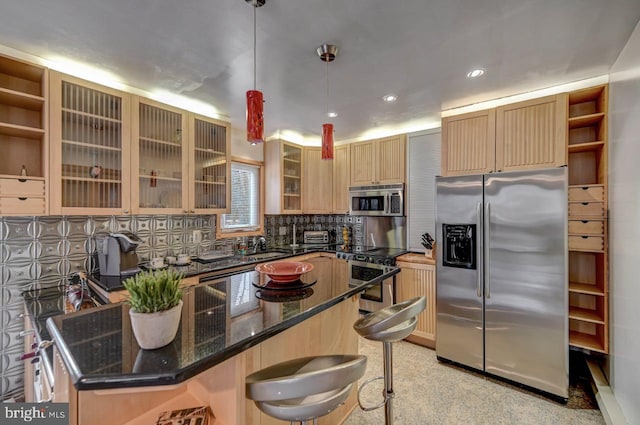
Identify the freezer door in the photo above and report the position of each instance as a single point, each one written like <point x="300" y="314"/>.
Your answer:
<point x="526" y="324"/>
<point x="459" y="300"/>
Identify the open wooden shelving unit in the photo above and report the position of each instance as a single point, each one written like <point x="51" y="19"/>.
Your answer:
<point x="588" y="241"/>
<point x="23" y="138"/>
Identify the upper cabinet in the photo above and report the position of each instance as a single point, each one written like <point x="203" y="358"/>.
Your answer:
<point x="23" y="138"/>
<point x="468" y="143"/>
<point x="519" y="136"/>
<point x="90" y="148"/>
<point x="283" y="175"/>
<point x="317" y="189"/>
<point x="114" y="153"/>
<point x="209" y="165"/>
<point x="532" y="134"/>
<point x="341" y="175"/>
<point x="379" y="161"/>
<point x="159" y="158"/>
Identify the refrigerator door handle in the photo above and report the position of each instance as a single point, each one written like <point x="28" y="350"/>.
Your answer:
<point x="479" y="249"/>
<point x="487" y="250"/>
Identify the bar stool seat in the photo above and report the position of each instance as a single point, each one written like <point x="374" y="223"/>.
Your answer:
<point x="304" y="389"/>
<point x="390" y="324"/>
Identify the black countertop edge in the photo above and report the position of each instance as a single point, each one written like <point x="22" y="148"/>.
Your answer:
<point x="181" y="375"/>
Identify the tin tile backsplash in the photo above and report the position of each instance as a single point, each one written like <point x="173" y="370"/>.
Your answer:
<point x="44" y="251"/>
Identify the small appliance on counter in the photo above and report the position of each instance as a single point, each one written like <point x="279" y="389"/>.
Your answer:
<point x="117" y="254"/>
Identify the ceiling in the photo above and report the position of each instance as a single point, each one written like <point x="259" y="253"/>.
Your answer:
<point x="420" y="50"/>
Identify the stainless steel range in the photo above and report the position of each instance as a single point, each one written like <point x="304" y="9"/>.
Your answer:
<point x="367" y="263"/>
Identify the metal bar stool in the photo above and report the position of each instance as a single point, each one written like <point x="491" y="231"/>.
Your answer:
<point x="304" y="389"/>
<point x="388" y="325"/>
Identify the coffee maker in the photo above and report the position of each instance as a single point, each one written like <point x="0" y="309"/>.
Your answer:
<point x="117" y="254"/>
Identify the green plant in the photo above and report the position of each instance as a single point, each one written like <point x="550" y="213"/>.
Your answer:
<point x="153" y="291"/>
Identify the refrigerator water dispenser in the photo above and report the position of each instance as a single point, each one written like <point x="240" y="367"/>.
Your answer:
<point x="459" y="249"/>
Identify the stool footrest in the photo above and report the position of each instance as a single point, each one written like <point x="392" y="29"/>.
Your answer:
<point x="386" y="395"/>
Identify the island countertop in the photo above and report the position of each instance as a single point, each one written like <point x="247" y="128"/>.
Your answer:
<point x="221" y="317"/>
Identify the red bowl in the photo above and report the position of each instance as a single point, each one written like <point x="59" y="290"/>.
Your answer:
<point x="284" y="271"/>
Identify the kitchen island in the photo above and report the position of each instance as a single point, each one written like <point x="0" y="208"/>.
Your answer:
<point x="230" y="328"/>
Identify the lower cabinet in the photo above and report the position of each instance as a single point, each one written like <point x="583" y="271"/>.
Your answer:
<point x="418" y="278"/>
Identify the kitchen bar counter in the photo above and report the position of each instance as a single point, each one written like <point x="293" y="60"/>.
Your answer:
<point x="220" y="319"/>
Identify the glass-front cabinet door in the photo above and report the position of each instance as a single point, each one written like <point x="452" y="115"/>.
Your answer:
<point x="210" y="165"/>
<point x="291" y="178"/>
<point x="90" y="148"/>
<point x="159" y="158"/>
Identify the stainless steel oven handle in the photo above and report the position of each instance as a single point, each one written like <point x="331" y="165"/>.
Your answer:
<point x="479" y="249"/>
<point x="487" y="250"/>
<point x="387" y="206"/>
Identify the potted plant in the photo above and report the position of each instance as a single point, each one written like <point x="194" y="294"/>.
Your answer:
<point x="155" y="298"/>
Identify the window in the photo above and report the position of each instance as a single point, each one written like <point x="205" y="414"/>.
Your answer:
<point x="245" y="200"/>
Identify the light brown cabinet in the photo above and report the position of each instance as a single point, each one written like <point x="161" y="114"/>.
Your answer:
<point x="531" y="134"/>
<point x="317" y="187"/>
<point x="588" y="240"/>
<point x="380" y="161"/>
<point x="159" y="159"/>
<point x="283" y="175"/>
<point x="519" y="136"/>
<point x="209" y="165"/>
<point x="469" y="143"/>
<point x="114" y="153"/>
<point x="418" y="278"/>
<point x="90" y="148"/>
<point x="24" y="140"/>
<point x="341" y="175"/>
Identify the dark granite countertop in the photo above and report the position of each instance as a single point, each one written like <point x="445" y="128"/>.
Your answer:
<point x="221" y="318"/>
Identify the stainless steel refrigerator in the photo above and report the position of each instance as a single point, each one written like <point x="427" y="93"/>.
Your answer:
<point x="502" y="275"/>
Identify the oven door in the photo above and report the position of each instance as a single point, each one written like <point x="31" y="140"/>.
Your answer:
<point x="377" y="296"/>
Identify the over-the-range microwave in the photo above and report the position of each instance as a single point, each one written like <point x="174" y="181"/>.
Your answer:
<point x="379" y="200"/>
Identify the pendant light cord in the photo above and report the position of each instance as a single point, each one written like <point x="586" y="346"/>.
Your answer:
<point x="254" y="47"/>
<point x="327" y="74"/>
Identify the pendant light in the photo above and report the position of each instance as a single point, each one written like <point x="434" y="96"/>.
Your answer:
<point x="255" y="115"/>
<point x="327" y="53"/>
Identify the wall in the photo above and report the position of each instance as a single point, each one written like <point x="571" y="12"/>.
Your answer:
<point x="624" y="222"/>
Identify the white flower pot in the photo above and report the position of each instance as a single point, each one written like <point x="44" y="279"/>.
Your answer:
<point x="155" y="330"/>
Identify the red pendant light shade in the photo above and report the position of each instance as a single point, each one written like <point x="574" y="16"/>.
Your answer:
<point x="255" y="117"/>
<point x="327" y="141"/>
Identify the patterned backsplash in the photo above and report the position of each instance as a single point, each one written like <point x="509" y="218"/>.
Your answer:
<point x="43" y="251"/>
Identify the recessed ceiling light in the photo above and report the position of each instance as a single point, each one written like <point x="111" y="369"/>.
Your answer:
<point x="475" y="73"/>
<point x="390" y="98"/>
<point x="332" y="114"/>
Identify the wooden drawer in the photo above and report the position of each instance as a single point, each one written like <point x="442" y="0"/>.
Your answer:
<point x="21" y="187"/>
<point x="586" y="227"/>
<point x="586" y="243"/>
<point x="586" y="209"/>
<point x="586" y="194"/>
<point x="22" y="206"/>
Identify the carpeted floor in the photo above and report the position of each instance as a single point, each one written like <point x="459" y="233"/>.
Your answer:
<point x="432" y="393"/>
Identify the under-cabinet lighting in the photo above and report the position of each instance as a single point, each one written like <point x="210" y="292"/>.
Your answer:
<point x="332" y="114"/>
